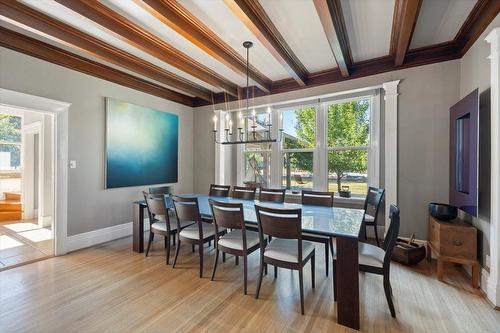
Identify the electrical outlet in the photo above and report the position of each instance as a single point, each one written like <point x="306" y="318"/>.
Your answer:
<point x="487" y="263"/>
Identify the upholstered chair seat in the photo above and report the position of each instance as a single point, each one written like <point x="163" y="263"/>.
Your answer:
<point x="161" y="225"/>
<point x="286" y="250"/>
<point x="369" y="255"/>
<point x="192" y="232"/>
<point x="369" y="218"/>
<point x="234" y="239"/>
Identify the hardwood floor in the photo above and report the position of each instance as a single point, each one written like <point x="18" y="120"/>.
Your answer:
<point x="109" y="288"/>
<point x="23" y="241"/>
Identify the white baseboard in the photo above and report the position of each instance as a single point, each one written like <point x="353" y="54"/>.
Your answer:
<point x="45" y="221"/>
<point x="95" y="237"/>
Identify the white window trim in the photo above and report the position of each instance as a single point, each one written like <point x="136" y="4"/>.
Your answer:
<point x="320" y="151"/>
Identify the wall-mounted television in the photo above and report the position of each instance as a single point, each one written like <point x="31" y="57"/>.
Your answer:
<point x="464" y="157"/>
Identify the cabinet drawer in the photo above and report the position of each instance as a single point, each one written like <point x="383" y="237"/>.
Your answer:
<point x="458" y="242"/>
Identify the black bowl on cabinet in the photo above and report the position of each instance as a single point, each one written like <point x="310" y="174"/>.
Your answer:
<point x="443" y="212"/>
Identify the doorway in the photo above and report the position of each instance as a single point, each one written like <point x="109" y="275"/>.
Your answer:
<point x="26" y="187"/>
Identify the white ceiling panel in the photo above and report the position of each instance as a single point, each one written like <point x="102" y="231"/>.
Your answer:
<point x="81" y="23"/>
<point x="299" y="24"/>
<point x="439" y="21"/>
<point x="221" y="20"/>
<point x="27" y="31"/>
<point x="369" y="25"/>
<point x="143" y="18"/>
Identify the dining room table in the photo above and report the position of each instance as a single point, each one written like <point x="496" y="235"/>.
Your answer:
<point x="342" y="224"/>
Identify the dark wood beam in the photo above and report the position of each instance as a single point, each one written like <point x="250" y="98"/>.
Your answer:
<point x="175" y="16"/>
<point x="478" y="20"/>
<point x="75" y="38"/>
<point x="35" y="48"/>
<point x="251" y="13"/>
<point x="418" y="57"/>
<point x="403" y="25"/>
<point x="332" y="19"/>
<point x="147" y="42"/>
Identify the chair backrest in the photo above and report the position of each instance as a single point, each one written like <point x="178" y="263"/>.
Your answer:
<point x="160" y="190"/>
<point x="219" y="190"/>
<point x="317" y="198"/>
<point x="156" y="207"/>
<point x="392" y="234"/>
<point x="280" y="223"/>
<point x="273" y="195"/>
<point x="186" y="209"/>
<point x="245" y="193"/>
<point x="373" y="201"/>
<point x="228" y="215"/>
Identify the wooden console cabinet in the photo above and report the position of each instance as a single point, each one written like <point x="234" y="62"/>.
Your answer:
<point x="453" y="241"/>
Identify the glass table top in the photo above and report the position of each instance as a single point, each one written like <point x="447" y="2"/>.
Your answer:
<point x="328" y="221"/>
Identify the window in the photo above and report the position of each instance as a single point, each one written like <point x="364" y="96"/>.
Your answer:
<point x="348" y="132"/>
<point x="257" y="156"/>
<point x="298" y="144"/>
<point x="10" y="142"/>
<point x="327" y="146"/>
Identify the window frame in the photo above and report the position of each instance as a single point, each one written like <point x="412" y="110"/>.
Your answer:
<point x="282" y="151"/>
<point x="321" y="149"/>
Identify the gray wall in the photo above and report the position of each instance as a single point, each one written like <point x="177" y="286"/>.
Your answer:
<point x="475" y="73"/>
<point x="90" y="206"/>
<point x="426" y="94"/>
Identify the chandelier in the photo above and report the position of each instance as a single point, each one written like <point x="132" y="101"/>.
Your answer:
<point x="260" y="130"/>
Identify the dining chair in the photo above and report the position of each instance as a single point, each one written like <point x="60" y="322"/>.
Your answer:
<point x="159" y="221"/>
<point x="238" y="242"/>
<point x="272" y="195"/>
<point x="376" y="260"/>
<point x="198" y="233"/>
<point x="372" y="205"/>
<point x="286" y="249"/>
<point x="315" y="198"/>
<point x="219" y="190"/>
<point x="245" y="193"/>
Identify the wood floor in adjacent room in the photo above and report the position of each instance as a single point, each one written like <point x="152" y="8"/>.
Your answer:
<point x="109" y="288"/>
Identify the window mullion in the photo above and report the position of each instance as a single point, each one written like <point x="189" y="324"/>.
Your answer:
<point x="320" y="163"/>
<point x="276" y="153"/>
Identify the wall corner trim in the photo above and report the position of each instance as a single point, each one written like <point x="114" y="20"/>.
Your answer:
<point x="493" y="292"/>
<point x="391" y="146"/>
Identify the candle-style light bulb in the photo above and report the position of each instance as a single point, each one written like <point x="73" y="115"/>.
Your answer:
<point x="281" y="120"/>
<point x="230" y="127"/>
<point x="215" y="122"/>
<point x="253" y="116"/>
<point x="227" y="121"/>
<point x="240" y="116"/>
<point x="269" y="115"/>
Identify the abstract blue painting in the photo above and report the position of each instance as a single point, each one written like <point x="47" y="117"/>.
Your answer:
<point x="141" y="145"/>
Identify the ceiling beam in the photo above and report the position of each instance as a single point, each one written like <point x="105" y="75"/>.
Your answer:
<point x="251" y="13"/>
<point x="403" y="24"/>
<point x="418" y="57"/>
<point x="175" y="16"/>
<point x="25" y="15"/>
<point x="35" y="48"/>
<point x="332" y="19"/>
<point x="478" y="20"/>
<point x="147" y="42"/>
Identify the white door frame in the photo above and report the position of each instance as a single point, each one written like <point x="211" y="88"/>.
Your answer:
<point x="27" y="190"/>
<point x="13" y="100"/>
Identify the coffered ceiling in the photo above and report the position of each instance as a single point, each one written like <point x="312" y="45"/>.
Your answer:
<point x="190" y="51"/>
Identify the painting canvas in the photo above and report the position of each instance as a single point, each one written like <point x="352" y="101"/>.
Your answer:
<point x="141" y="145"/>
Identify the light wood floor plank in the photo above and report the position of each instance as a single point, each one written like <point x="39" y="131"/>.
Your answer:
<point x="109" y="288"/>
